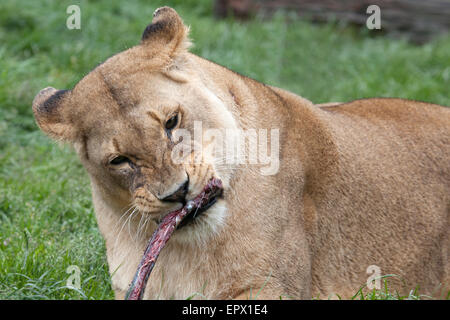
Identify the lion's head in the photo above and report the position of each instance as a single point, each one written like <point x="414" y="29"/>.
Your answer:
<point x="128" y="120"/>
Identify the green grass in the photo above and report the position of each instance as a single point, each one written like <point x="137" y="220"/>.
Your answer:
<point x="46" y="217"/>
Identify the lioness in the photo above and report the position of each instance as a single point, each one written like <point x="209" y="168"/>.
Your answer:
<point x="359" y="184"/>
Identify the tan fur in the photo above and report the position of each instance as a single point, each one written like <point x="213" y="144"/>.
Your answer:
<point x="360" y="183"/>
<point x="328" y="104"/>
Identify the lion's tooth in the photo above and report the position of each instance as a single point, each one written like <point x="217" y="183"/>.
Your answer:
<point x="189" y="206"/>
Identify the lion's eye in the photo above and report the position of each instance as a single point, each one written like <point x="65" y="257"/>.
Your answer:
<point x="119" y="160"/>
<point x="172" y="122"/>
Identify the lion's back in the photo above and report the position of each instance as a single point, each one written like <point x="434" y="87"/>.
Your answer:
<point x="398" y="128"/>
<point x="404" y="139"/>
<point x="406" y="113"/>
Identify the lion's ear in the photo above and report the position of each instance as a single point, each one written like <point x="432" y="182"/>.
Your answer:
<point x="167" y="32"/>
<point x="48" y="109"/>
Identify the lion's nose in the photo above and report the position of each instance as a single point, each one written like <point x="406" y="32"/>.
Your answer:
<point x="179" y="195"/>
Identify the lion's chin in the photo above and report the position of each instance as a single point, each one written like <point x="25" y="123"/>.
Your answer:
<point x="199" y="229"/>
<point x="193" y="216"/>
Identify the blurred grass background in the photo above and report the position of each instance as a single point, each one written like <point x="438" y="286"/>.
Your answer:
<point x="46" y="217"/>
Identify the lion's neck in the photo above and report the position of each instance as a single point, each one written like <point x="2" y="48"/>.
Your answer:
<point x="304" y="133"/>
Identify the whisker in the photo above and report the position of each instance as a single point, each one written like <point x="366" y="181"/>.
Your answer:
<point x="144" y="226"/>
<point x="123" y="225"/>
<point x="123" y="215"/>
<point x="139" y="228"/>
<point x="130" y="219"/>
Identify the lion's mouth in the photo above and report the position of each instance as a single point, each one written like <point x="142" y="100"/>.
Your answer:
<point x="198" y="212"/>
<point x="172" y="221"/>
